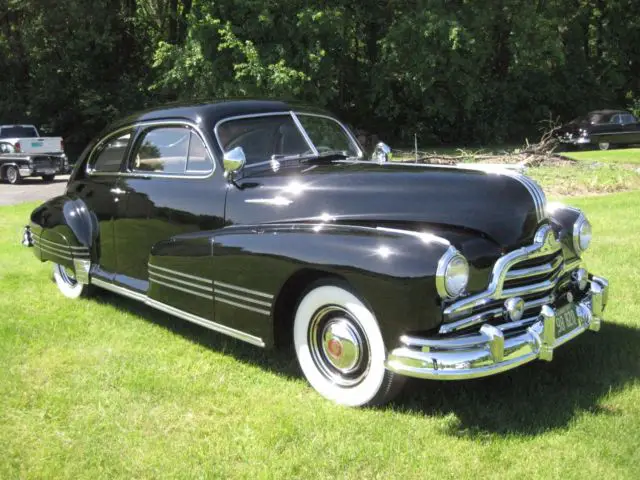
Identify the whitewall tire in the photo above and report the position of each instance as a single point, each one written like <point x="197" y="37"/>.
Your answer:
<point x="604" y="145"/>
<point x="340" y="348"/>
<point x="66" y="281"/>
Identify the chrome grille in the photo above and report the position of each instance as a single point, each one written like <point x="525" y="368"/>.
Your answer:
<point x="532" y="273"/>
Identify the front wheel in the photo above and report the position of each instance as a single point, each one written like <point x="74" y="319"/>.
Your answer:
<point x="12" y="174"/>
<point x="48" y="178"/>
<point x="65" y="279"/>
<point x="340" y="348"/>
<point x="604" y="145"/>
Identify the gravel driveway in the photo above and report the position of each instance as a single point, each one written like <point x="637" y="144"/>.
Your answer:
<point x="32" y="189"/>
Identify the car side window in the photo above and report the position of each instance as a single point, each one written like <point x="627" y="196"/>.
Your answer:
<point x="627" y="118"/>
<point x="162" y="150"/>
<point x="262" y="137"/>
<point x="198" y="160"/>
<point x="108" y="157"/>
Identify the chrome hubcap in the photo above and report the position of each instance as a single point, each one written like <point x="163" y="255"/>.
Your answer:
<point x="338" y="346"/>
<point x="12" y="174"/>
<point x="341" y="344"/>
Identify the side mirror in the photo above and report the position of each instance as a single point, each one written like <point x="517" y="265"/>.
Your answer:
<point x="382" y="153"/>
<point x="233" y="160"/>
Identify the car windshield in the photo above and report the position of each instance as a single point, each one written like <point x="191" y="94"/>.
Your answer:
<point x="18" y="132"/>
<point x="263" y="138"/>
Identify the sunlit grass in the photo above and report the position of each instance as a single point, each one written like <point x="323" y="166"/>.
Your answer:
<point x="107" y="388"/>
<point x="630" y="156"/>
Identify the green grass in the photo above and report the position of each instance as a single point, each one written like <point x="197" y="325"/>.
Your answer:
<point x="104" y="388"/>
<point x="626" y="156"/>
<point x="585" y="179"/>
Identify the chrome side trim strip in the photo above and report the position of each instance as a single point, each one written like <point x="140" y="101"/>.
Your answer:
<point x="185" y="275"/>
<point x="83" y="251"/>
<point x="185" y="290"/>
<point x="242" y="289"/>
<point x="119" y="290"/>
<point x="203" y="322"/>
<point x="184" y="282"/>
<point x="232" y="332"/>
<point x="60" y="249"/>
<point x="244" y="298"/>
<point x="52" y="252"/>
<point x="246" y="307"/>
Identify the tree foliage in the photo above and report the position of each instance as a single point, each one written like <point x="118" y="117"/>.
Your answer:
<point x="448" y="70"/>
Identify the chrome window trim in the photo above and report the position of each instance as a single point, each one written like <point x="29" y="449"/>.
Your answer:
<point x="153" y="123"/>
<point x="240" y="117"/>
<point x="293" y="114"/>
<point x="304" y="133"/>
<point x="91" y="157"/>
<point x="342" y="125"/>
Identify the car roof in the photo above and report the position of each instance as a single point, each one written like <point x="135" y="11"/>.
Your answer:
<point x="606" y="112"/>
<point x="211" y="111"/>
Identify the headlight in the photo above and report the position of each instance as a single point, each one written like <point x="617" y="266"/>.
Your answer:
<point x="581" y="234"/>
<point x="452" y="275"/>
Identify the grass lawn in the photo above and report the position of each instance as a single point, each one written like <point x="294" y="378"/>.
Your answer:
<point x="626" y="156"/>
<point x="104" y="387"/>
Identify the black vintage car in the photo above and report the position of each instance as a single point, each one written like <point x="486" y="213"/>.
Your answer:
<point x="261" y="220"/>
<point x="602" y="128"/>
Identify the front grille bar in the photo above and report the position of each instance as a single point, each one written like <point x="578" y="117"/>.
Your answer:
<point x="534" y="271"/>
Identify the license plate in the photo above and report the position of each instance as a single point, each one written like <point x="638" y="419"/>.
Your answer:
<point x="48" y="171"/>
<point x="566" y="320"/>
<point x="37" y="144"/>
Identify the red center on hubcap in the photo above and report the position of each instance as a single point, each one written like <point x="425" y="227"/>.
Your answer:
<point x="334" y="347"/>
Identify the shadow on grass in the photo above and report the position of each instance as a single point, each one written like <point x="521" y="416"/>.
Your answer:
<point x="529" y="400"/>
<point x="539" y="396"/>
<point x="282" y="362"/>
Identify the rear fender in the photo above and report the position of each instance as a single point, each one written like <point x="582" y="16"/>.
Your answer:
<point x="65" y="232"/>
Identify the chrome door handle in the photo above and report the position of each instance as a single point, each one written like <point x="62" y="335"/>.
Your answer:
<point x="117" y="191"/>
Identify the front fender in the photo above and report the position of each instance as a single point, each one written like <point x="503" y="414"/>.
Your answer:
<point x="393" y="271"/>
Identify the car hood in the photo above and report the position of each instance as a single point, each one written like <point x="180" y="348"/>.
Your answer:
<point x="501" y="206"/>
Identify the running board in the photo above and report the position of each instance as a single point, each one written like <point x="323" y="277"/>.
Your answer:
<point x="203" y="322"/>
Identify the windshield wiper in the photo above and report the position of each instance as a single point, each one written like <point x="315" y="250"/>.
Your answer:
<point x="327" y="156"/>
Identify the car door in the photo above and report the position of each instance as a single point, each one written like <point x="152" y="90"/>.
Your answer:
<point x="631" y="128"/>
<point x="171" y="187"/>
<point x="98" y="187"/>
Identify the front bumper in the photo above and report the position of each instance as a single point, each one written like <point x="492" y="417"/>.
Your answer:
<point x="490" y="352"/>
<point x="574" y="140"/>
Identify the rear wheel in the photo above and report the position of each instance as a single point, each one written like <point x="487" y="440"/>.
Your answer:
<point x="604" y="145"/>
<point x="340" y="348"/>
<point x="48" y="178"/>
<point x="65" y="279"/>
<point x="12" y="174"/>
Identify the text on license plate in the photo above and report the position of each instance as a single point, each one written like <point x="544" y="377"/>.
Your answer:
<point x="566" y="320"/>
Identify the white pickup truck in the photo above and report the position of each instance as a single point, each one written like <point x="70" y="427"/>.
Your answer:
<point x="24" y="153"/>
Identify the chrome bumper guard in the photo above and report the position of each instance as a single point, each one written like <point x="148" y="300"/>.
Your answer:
<point x="489" y="352"/>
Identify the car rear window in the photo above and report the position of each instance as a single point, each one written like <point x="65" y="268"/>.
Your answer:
<point x="18" y="132"/>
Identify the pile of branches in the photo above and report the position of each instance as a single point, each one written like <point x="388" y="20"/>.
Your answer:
<point x="543" y="152"/>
